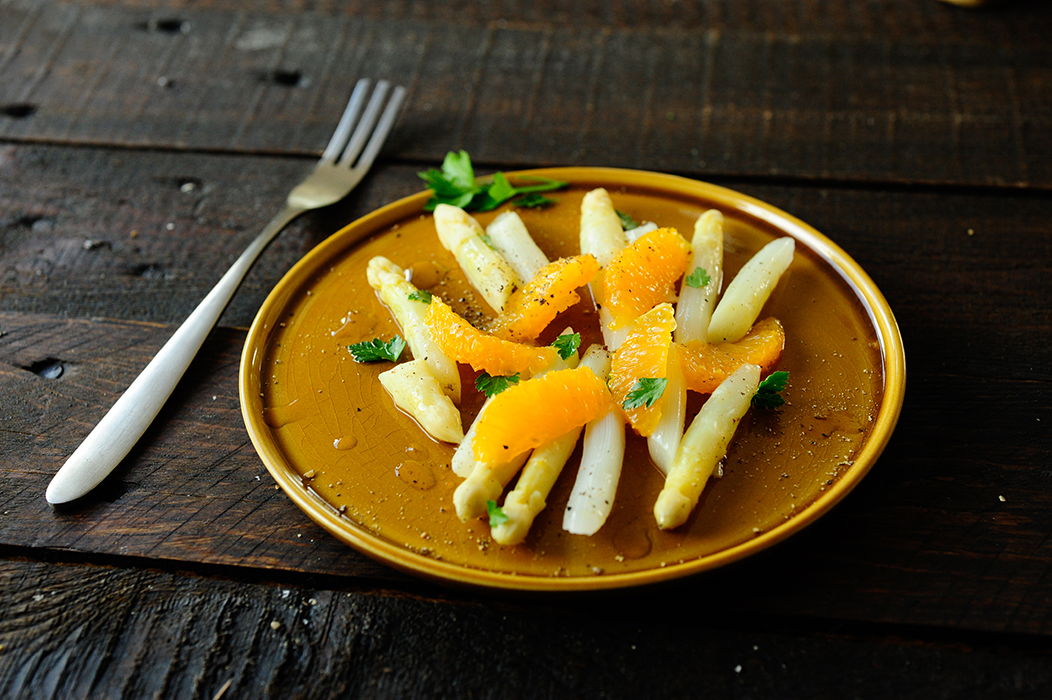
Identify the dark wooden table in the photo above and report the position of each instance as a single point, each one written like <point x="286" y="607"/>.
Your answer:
<point x="143" y="144"/>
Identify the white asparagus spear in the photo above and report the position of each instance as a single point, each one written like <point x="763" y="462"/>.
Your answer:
<point x="601" y="231"/>
<point x="704" y="445"/>
<point x="664" y="441"/>
<point x="513" y="241"/>
<point x="695" y="305"/>
<point x="748" y="292"/>
<point x="486" y="269"/>
<point x="538" y="477"/>
<point x="389" y="281"/>
<point x="485" y="483"/>
<point x="463" y="462"/>
<point x="603" y="450"/>
<point x="417" y="392"/>
<point x="612" y="337"/>
<point x="603" y="237"/>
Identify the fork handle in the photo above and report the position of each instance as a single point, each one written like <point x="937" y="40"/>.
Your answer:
<point x="119" y="430"/>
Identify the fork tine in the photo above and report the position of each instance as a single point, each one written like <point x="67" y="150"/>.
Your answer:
<point x="350" y="116"/>
<point x="383" y="128"/>
<point x="366" y="123"/>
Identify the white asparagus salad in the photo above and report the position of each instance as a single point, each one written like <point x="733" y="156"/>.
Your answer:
<point x="666" y="332"/>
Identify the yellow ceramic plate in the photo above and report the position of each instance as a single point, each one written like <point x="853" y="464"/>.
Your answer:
<point x="365" y="472"/>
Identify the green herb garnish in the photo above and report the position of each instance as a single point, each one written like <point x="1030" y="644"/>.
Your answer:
<point x="698" y="278"/>
<point x="627" y="222"/>
<point x="377" y="350"/>
<point x="769" y="394"/>
<point x="487" y="240"/>
<point x="500" y="191"/>
<point x="455" y="184"/>
<point x="496" y="515"/>
<point x="567" y="344"/>
<point x="491" y="386"/>
<point x="645" y="392"/>
<point x="533" y="199"/>
<point x="420" y="295"/>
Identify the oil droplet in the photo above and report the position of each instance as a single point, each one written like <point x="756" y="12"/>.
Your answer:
<point x="416" y="474"/>
<point x="427" y="274"/>
<point x="357" y="325"/>
<point x="346" y="329"/>
<point x="278" y="416"/>
<point x="632" y="541"/>
<point x="345" y="443"/>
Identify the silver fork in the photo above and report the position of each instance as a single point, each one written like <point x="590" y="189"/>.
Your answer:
<point x="344" y="163"/>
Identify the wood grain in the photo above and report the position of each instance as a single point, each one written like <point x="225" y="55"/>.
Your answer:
<point x="144" y="236"/>
<point x="916" y="92"/>
<point x="91" y="631"/>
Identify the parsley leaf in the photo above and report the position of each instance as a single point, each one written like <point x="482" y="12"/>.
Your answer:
<point x="421" y="295"/>
<point x="567" y="344"/>
<point x="377" y="350"/>
<point x="627" y="222"/>
<point x="501" y="190"/>
<point x="698" y="278"/>
<point x="491" y="386"/>
<point x="496" y="515"/>
<point x="455" y="184"/>
<point x="457" y="169"/>
<point x="645" y="392"/>
<point x="533" y="199"/>
<point x="769" y="394"/>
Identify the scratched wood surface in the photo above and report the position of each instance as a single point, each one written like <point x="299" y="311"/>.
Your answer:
<point x="863" y="91"/>
<point x="143" y="143"/>
<point x="319" y="641"/>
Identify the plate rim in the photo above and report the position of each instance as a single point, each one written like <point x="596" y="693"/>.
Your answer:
<point x="404" y="559"/>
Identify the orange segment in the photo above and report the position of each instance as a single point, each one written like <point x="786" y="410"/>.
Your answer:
<point x="465" y="343"/>
<point x="531" y="308"/>
<point x="705" y="365"/>
<point x="644" y="274"/>
<point x="537" y="411"/>
<point x="643" y="354"/>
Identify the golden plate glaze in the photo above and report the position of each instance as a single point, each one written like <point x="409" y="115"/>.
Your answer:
<point x="333" y="440"/>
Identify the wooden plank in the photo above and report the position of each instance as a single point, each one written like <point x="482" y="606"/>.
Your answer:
<point x="920" y="93"/>
<point x="144" y="236"/>
<point x="90" y="631"/>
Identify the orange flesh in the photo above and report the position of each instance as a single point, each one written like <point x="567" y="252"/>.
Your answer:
<point x="705" y="365"/>
<point x="644" y="274"/>
<point x="531" y="308"/>
<point x="464" y="343"/>
<point x="532" y="413"/>
<point x="644" y="353"/>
